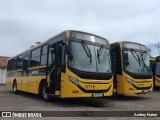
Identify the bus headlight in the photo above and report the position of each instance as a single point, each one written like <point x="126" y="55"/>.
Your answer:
<point x="73" y="80"/>
<point x="129" y="81"/>
<point x="112" y="82"/>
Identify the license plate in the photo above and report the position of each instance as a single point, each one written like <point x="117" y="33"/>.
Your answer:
<point x="97" y="94"/>
<point x="145" y="91"/>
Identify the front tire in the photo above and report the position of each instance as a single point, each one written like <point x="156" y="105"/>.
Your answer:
<point x="45" y="96"/>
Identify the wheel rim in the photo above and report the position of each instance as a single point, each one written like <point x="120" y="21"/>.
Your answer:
<point x="14" y="88"/>
<point x="44" y="94"/>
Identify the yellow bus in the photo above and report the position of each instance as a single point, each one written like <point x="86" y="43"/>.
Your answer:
<point x="72" y="64"/>
<point x="155" y="65"/>
<point x="131" y="68"/>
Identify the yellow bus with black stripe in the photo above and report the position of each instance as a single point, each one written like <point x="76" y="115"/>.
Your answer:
<point x="73" y="64"/>
<point x="155" y="65"/>
<point x="131" y="68"/>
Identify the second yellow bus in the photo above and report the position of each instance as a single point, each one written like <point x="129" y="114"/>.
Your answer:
<point x="131" y="67"/>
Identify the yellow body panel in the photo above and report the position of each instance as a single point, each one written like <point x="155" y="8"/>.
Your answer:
<point x="69" y="90"/>
<point x="157" y="81"/>
<point x="33" y="83"/>
<point x="25" y="83"/>
<point x="123" y="87"/>
<point x="156" y="78"/>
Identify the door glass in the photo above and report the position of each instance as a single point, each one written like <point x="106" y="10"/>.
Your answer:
<point x="51" y="58"/>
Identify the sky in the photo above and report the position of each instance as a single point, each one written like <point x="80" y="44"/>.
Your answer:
<point x="154" y="49"/>
<point x="24" y="22"/>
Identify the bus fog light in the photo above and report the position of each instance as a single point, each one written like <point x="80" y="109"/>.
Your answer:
<point x="73" y="80"/>
<point x="129" y="81"/>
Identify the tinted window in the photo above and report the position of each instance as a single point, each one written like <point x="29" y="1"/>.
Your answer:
<point x="35" y="57"/>
<point x="44" y="59"/>
<point x="14" y="61"/>
<point x="9" y="67"/>
<point x="44" y="50"/>
<point x="25" y="62"/>
<point x="158" y="68"/>
<point x="35" y="61"/>
<point x="19" y="62"/>
<point x="35" y="53"/>
<point x="44" y="55"/>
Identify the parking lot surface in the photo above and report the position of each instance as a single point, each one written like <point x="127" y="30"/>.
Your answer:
<point x="30" y="102"/>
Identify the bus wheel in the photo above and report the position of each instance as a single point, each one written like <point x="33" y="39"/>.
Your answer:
<point x="45" y="96"/>
<point x="15" y="91"/>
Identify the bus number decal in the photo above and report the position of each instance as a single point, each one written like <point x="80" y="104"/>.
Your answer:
<point x="75" y="91"/>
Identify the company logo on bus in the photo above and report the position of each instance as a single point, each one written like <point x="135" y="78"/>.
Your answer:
<point x="90" y="86"/>
<point x="140" y="85"/>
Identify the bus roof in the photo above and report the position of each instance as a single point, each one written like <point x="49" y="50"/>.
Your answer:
<point x="50" y="40"/>
<point x="127" y="44"/>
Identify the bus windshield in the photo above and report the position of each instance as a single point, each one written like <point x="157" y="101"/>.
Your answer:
<point x="157" y="68"/>
<point x="89" y="58"/>
<point x="137" y="62"/>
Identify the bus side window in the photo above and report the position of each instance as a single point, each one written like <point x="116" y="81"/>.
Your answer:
<point x="19" y="62"/>
<point x="9" y="66"/>
<point x="14" y="62"/>
<point x="114" y="61"/>
<point x="35" y="57"/>
<point x="25" y="62"/>
<point x="44" y="55"/>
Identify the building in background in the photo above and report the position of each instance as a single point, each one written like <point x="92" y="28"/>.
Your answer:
<point x="3" y="66"/>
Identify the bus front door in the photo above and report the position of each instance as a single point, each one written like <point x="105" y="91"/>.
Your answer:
<point x="55" y="66"/>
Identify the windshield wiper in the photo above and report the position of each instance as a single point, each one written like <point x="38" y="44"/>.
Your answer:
<point x="143" y="60"/>
<point x="140" y="59"/>
<point x="99" y="53"/>
<point x="87" y="50"/>
<point x="136" y="58"/>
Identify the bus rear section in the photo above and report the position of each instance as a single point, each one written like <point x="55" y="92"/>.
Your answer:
<point x="155" y="66"/>
<point x="131" y="68"/>
<point x="72" y="64"/>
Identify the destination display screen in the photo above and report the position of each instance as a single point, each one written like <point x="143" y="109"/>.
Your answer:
<point x="89" y="37"/>
<point x="134" y="46"/>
